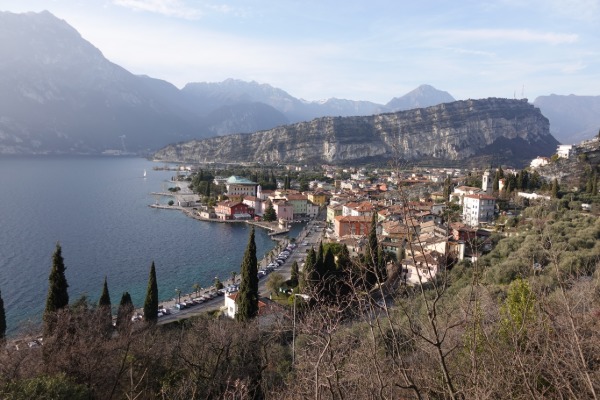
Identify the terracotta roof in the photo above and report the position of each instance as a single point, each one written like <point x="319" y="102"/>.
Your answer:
<point x="352" y="218"/>
<point x="229" y="203"/>
<point x="480" y="196"/>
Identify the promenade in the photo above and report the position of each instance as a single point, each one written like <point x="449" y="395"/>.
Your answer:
<point x="310" y="236"/>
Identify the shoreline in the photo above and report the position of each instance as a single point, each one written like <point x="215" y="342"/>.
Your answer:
<point x="274" y="231"/>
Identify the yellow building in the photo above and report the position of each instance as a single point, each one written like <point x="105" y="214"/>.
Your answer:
<point x="318" y="198"/>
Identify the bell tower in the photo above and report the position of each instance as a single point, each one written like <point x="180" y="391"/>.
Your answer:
<point x="486" y="183"/>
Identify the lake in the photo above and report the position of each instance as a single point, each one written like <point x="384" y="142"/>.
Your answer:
<point x="97" y="208"/>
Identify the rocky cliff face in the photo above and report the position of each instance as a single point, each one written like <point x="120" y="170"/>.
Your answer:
<point x="512" y="130"/>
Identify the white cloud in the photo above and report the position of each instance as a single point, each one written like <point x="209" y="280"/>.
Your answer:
<point x="170" y="8"/>
<point x="513" y="35"/>
<point x="459" y="50"/>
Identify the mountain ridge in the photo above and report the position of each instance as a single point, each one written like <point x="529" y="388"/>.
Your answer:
<point x="59" y="94"/>
<point x="457" y="130"/>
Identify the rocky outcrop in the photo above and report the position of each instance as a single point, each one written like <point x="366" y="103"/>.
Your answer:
<point x="512" y="130"/>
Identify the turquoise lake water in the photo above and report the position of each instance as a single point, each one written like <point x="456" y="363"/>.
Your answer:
<point x="97" y="207"/>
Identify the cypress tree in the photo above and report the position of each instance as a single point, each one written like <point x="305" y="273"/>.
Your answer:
<point x="496" y="184"/>
<point x="309" y="272"/>
<point x="343" y="261"/>
<point x="105" y="296"/>
<point x="58" y="297"/>
<point x="555" y="188"/>
<point x="372" y="255"/>
<point x="294" y="274"/>
<point x="320" y="268"/>
<point x="2" y="320"/>
<point x="104" y="306"/>
<point x="247" y="298"/>
<point x="151" y="302"/>
<point x="125" y="311"/>
<point x="329" y="261"/>
<point x="381" y="265"/>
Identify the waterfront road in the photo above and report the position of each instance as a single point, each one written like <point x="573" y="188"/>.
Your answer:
<point x="309" y="237"/>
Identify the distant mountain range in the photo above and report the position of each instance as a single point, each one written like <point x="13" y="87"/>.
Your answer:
<point x="59" y="94"/>
<point x="572" y="118"/>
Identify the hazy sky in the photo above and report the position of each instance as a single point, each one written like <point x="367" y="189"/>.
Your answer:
<point x="361" y="50"/>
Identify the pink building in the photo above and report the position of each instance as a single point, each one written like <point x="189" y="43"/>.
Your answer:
<point x="284" y="210"/>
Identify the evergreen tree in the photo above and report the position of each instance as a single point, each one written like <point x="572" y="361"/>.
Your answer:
<point x="320" y="269"/>
<point x="343" y="261"/>
<point x="2" y="320"/>
<point x="447" y="188"/>
<point x="125" y="311"/>
<point x="329" y="261"/>
<point x="381" y="264"/>
<point x="151" y="302"/>
<point x="104" y="300"/>
<point x="555" y="188"/>
<point x="207" y="193"/>
<point x="269" y="214"/>
<point x="535" y="180"/>
<point x="520" y="181"/>
<point x="372" y="254"/>
<point x="309" y="272"/>
<point x="104" y="306"/>
<point x="247" y="298"/>
<point x="294" y="274"/>
<point x="58" y="297"/>
<point x="286" y="183"/>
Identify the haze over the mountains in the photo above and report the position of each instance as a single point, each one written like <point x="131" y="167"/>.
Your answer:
<point x="59" y="94"/>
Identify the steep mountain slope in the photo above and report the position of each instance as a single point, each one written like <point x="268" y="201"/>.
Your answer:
<point x="59" y="94"/>
<point x="209" y="96"/>
<point x="243" y="117"/>
<point x="511" y="130"/>
<point x="572" y="118"/>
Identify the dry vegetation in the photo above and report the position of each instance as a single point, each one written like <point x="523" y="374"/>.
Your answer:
<point x="496" y="329"/>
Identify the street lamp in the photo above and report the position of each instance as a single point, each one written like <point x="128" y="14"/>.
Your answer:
<point x="305" y="297"/>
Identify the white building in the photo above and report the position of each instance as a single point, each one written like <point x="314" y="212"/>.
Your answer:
<point x="565" y="150"/>
<point x="478" y="208"/>
<point x="533" y="196"/>
<point x="539" y="162"/>
<point x="461" y="191"/>
<point x="238" y="186"/>
<point x="312" y="210"/>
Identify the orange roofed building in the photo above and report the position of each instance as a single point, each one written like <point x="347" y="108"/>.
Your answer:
<point x="352" y="225"/>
